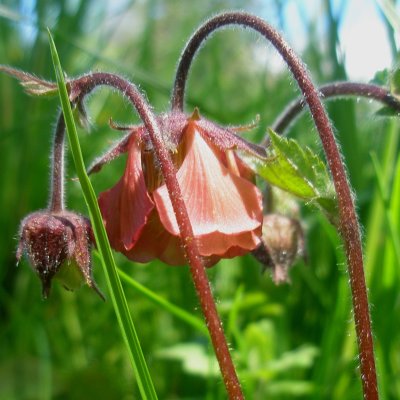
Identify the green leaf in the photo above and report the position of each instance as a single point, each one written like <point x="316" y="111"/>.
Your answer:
<point x="389" y="78"/>
<point x="117" y="295"/>
<point x="391" y="213"/>
<point x="194" y="357"/>
<point x="381" y="77"/>
<point x="387" y="112"/>
<point x="178" y="312"/>
<point x="299" y="172"/>
<point x="395" y="83"/>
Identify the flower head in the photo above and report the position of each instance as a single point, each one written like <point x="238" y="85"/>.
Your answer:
<point x="57" y="245"/>
<point x="224" y="204"/>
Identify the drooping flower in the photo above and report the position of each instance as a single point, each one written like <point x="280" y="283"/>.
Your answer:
<point x="57" y="245"/>
<point x="223" y="202"/>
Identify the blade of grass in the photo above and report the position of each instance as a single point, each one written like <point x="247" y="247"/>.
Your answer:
<point x="376" y="220"/>
<point x="178" y="312"/>
<point x="45" y="366"/>
<point x="389" y="216"/>
<point x="395" y="204"/>
<point x="121" y="309"/>
<point x="389" y="276"/>
<point x="389" y="10"/>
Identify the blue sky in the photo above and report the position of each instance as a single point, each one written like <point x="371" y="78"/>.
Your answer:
<point x="363" y="37"/>
<point x="362" y="32"/>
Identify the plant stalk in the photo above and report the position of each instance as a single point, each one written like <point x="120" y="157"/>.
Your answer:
<point x="348" y="223"/>
<point x="56" y="202"/>
<point x="80" y="88"/>
<point x="332" y="90"/>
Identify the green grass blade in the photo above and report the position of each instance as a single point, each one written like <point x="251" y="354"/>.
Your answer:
<point x="178" y="312"/>
<point x="389" y="10"/>
<point x="395" y="198"/>
<point x="389" y="210"/>
<point x="128" y="331"/>
<point x="376" y="220"/>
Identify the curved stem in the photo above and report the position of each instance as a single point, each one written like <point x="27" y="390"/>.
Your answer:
<point x="81" y="87"/>
<point x="336" y="89"/>
<point x="56" y="202"/>
<point x="348" y="224"/>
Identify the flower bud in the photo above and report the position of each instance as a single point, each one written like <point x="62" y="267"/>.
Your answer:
<point x="57" y="245"/>
<point x="282" y="243"/>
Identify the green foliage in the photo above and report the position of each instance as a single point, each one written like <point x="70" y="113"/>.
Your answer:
<point x="291" y="341"/>
<point x="389" y="10"/>
<point x="300" y="172"/>
<point x="391" y="78"/>
<point x="387" y="112"/>
<point x="395" y="83"/>
<point x="178" y="312"/>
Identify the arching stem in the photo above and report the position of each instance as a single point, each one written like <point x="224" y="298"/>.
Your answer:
<point x="56" y="202"/>
<point x="348" y="224"/>
<point x="332" y="90"/>
<point x="78" y="89"/>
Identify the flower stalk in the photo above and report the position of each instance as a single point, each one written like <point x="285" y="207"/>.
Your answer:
<point x="348" y="223"/>
<point x="56" y="202"/>
<point x="57" y="242"/>
<point x="333" y="90"/>
<point x="78" y="89"/>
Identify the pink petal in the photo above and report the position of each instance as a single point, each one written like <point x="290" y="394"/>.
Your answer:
<point x="237" y="166"/>
<point x="156" y="242"/>
<point x="126" y="206"/>
<point x="229" y="246"/>
<point x="225" y="209"/>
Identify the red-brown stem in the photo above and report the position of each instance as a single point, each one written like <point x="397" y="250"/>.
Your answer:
<point x="56" y="202"/>
<point x="332" y="90"/>
<point x="78" y="89"/>
<point x="348" y="224"/>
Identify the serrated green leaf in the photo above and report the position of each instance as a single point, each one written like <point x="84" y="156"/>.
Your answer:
<point x="300" y="172"/>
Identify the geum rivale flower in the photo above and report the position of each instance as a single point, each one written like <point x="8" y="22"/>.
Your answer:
<point x="218" y="188"/>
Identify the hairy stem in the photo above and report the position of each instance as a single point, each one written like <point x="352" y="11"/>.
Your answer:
<point x="348" y="224"/>
<point x="56" y="202"/>
<point x="78" y="89"/>
<point x="332" y="90"/>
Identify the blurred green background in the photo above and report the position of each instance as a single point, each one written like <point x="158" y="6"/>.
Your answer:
<point x="289" y="342"/>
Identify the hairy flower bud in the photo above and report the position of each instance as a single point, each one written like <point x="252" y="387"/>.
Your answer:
<point x="57" y="245"/>
<point x="282" y="243"/>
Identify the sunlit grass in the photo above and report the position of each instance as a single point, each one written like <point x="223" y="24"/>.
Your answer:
<point x="291" y="341"/>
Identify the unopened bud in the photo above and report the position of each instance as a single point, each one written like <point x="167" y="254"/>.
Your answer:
<point x="58" y="245"/>
<point x="282" y="243"/>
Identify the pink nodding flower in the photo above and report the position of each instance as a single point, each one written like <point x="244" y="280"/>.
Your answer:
<point x="223" y="202"/>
